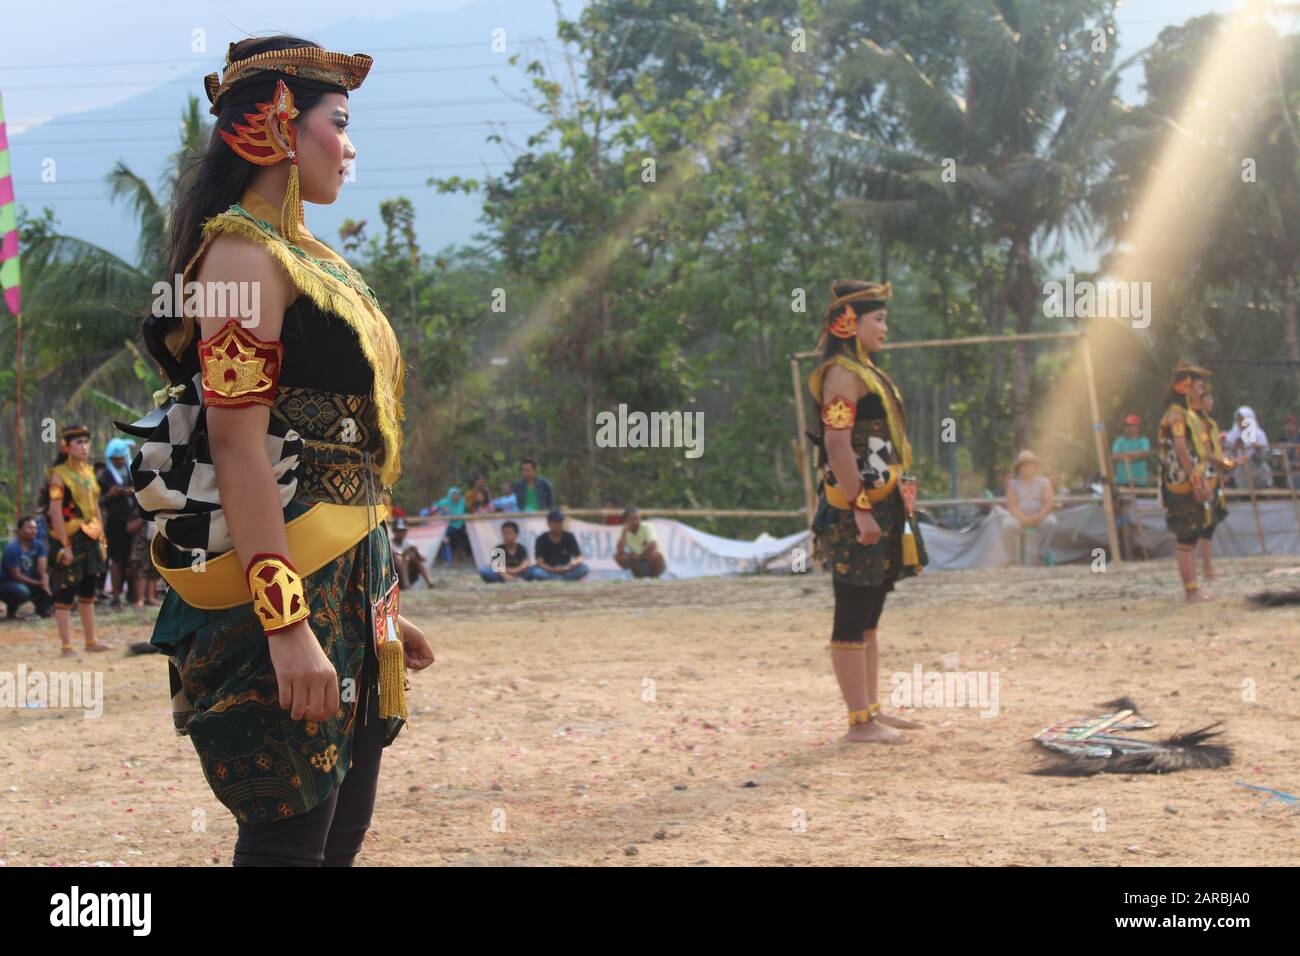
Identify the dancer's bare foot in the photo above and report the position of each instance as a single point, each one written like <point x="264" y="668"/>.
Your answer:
<point x="1197" y="597"/>
<point x="900" y="723"/>
<point x="98" y="647"/>
<point x="874" y="732"/>
<point x="68" y="651"/>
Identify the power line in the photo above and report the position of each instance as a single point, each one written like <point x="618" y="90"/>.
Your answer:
<point x="380" y="130"/>
<point x="153" y="117"/>
<point x="97" y="64"/>
<point x="163" y="82"/>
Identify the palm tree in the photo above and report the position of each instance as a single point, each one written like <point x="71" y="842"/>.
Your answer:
<point x="1011" y="144"/>
<point x="84" y="303"/>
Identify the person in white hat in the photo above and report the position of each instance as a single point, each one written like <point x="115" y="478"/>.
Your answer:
<point x="1029" y="506"/>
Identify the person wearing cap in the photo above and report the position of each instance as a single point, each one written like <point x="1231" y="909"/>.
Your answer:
<point x="1029" y="509"/>
<point x="1188" y="473"/>
<point x="556" y="554"/>
<point x="117" y="504"/>
<point x="638" y="547"/>
<point x="1130" y="452"/>
<point x="407" y="558"/>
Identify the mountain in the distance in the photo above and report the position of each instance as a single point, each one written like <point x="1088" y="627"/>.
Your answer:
<point x="425" y="110"/>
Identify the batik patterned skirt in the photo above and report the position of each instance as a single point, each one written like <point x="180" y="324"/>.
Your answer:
<point x="88" y="561"/>
<point x="836" y="536"/>
<point x="260" y="763"/>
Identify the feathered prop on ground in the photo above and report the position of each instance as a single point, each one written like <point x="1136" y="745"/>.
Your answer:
<point x="1286" y="598"/>
<point x="1091" y="746"/>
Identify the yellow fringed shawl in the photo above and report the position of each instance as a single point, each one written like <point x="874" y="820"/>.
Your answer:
<point x="321" y="274"/>
<point x="879" y="384"/>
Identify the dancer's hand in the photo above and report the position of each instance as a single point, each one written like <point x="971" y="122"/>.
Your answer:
<point x="309" y="685"/>
<point x="419" y="654"/>
<point x="65" y="556"/>
<point x="868" y="530"/>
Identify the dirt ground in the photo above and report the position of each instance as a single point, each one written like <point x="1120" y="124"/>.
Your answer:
<point x="698" y="723"/>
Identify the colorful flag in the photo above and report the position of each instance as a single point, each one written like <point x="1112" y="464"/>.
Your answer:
<point x="8" y="226"/>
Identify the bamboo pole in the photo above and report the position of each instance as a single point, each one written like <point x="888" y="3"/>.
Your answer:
<point x="805" y="453"/>
<point x="1254" y="503"/>
<point x="1099" y="440"/>
<point x="1290" y="486"/>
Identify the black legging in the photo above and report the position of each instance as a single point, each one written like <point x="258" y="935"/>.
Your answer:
<point x="330" y="834"/>
<point x="857" y="609"/>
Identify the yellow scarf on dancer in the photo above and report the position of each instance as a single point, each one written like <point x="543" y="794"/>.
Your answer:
<point x="879" y="384"/>
<point x="79" y="481"/>
<point x="322" y="275"/>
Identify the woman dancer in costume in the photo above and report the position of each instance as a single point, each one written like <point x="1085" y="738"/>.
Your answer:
<point x="78" y="556"/>
<point x="1188" y="477"/>
<point x="288" y="660"/>
<point x="865" y="529"/>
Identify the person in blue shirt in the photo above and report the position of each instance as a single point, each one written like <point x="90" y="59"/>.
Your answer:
<point x="24" y="573"/>
<point x="1130" y="452"/>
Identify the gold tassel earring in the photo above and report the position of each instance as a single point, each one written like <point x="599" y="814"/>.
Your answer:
<point x="291" y="211"/>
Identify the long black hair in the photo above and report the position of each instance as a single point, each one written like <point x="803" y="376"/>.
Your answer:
<point x="212" y="183"/>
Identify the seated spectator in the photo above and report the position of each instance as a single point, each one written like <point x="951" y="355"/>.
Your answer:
<point x="407" y="560"/>
<point x="1131" y="452"/>
<point x="509" y="558"/>
<point x="24" y="573"/>
<point x="638" y="547"/>
<point x="556" y="553"/>
<point x="1028" y="515"/>
<point x="1247" y="444"/>
<point x="533" y="492"/>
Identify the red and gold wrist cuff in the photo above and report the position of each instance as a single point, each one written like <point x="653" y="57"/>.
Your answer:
<point x="276" y="587"/>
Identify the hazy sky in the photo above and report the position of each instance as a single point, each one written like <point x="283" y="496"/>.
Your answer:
<point x="63" y="57"/>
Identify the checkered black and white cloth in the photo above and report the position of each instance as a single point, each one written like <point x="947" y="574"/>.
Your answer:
<point x="176" y="483"/>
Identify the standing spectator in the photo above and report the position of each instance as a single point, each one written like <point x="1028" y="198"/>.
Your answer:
<point x="611" y="504"/>
<point x="1130" y="452"/>
<point x="117" y="504"/>
<point x="478" y="499"/>
<point x="1029" y="509"/>
<point x="509" y="559"/>
<point x="25" y="572"/>
<point x="457" y="538"/>
<point x="557" y="553"/>
<point x="638" y="547"/>
<point x="1248" y="445"/>
<point x="507" y="500"/>
<point x="532" y="492"/>
<point x="140" y="570"/>
<point x="1291" y="451"/>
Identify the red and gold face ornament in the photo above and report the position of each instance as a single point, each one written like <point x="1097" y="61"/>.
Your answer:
<point x="269" y="137"/>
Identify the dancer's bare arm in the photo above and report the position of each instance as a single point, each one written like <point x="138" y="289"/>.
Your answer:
<point x="308" y="683"/>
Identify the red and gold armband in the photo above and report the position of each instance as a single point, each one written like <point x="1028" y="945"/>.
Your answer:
<point x="278" y="599"/>
<point x="1178" y="429"/>
<point x="56" y="492"/>
<point x="238" y="368"/>
<point x="839" y="413"/>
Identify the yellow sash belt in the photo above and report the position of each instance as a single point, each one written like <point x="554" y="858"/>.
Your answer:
<point x="835" y="498"/>
<point x="326" y="531"/>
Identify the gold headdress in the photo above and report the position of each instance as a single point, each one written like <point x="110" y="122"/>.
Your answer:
<point x="308" y="62"/>
<point x="270" y="136"/>
<point x="846" y="327"/>
<point x="1184" y="372"/>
